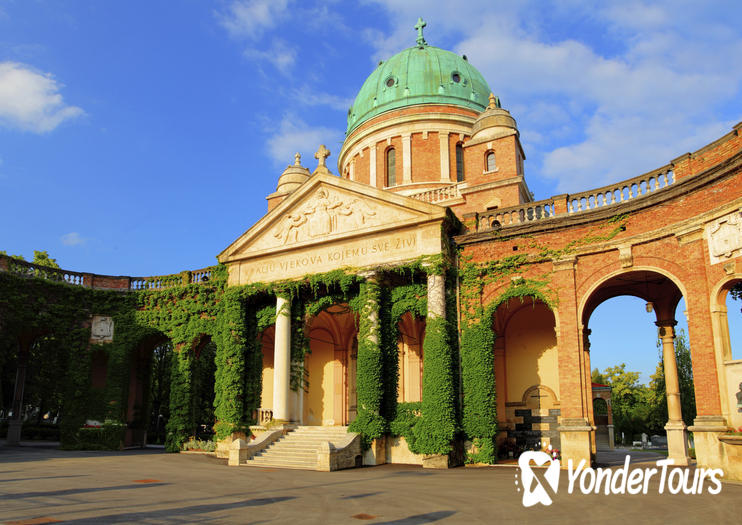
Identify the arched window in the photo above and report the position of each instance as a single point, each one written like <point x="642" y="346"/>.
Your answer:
<point x="391" y="167"/>
<point x="489" y="161"/>
<point x="459" y="162"/>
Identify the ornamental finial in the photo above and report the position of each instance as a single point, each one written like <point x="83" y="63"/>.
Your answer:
<point x="419" y="26"/>
<point x="297" y="159"/>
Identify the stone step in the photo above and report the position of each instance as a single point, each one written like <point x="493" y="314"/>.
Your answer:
<point x="265" y="453"/>
<point x="283" y="463"/>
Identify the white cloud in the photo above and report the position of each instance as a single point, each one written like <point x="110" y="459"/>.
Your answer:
<point x="612" y="91"/>
<point x="72" y="239"/>
<point x="280" y="54"/>
<point x="30" y="100"/>
<point x="294" y="135"/>
<point x="249" y="18"/>
<point x="311" y="97"/>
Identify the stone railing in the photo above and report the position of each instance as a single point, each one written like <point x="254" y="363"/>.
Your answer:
<point x="442" y="194"/>
<point x="563" y="205"/>
<point x="514" y="215"/>
<point x="106" y="282"/>
<point x="622" y="191"/>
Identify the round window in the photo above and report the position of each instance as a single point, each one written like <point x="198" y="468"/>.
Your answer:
<point x="456" y="77"/>
<point x="390" y="82"/>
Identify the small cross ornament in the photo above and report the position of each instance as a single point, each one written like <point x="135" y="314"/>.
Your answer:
<point x="321" y="155"/>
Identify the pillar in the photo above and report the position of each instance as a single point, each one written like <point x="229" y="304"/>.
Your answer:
<point x="587" y="388"/>
<point x="16" y="421"/>
<point x="677" y="438"/>
<point x="282" y="360"/>
<point x="406" y="158"/>
<point x="445" y="161"/>
<point x="372" y="165"/>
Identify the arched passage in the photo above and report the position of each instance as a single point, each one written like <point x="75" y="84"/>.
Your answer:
<point x="661" y="295"/>
<point x="526" y="375"/>
<point x="330" y="397"/>
<point x="728" y="348"/>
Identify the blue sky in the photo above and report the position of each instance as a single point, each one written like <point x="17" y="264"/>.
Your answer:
<point x="140" y="138"/>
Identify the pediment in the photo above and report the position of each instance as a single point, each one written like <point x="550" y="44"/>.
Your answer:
<point x="326" y="209"/>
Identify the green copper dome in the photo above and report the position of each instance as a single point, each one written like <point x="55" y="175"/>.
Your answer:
<point x="419" y="75"/>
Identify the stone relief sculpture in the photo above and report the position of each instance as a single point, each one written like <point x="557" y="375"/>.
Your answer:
<point x="325" y="213"/>
<point x="101" y="329"/>
<point x="726" y="236"/>
<point x="739" y="398"/>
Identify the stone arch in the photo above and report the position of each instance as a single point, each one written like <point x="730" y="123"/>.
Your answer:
<point x="330" y="367"/>
<point x="410" y="350"/>
<point x="526" y="368"/>
<point x="729" y="370"/>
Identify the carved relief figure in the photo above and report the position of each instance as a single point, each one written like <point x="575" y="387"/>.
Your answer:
<point x="322" y="220"/>
<point x="324" y="214"/>
<point x="290" y="230"/>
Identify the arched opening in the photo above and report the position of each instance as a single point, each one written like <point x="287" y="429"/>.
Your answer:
<point x="727" y="326"/>
<point x="526" y="376"/>
<point x="489" y="161"/>
<point x="391" y="167"/>
<point x="32" y="385"/>
<point x="330" y="395"/>
<point x="410" y="346"/>
<point x="637" y="360"/>
<point x="459" y="162"/>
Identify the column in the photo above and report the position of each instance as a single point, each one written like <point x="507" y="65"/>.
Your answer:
<point x="677" y="439"/>
<point x="436" y="296"/>
<point x="588" y="386"/>
<point x="406" y="158"/>
<point x="372" y="165"/>
<point x="282" y="360"/>
<point x="16" y="422"/>
<point x="445" y="160"/>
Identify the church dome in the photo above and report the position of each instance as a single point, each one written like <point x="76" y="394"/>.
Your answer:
<point x="419" y="75"/>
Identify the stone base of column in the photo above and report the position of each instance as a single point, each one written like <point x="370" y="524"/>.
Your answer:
<point x="576" y="443"/>
<point x="706" y="431"/>
<point x="376" y="455"/>
<point x="14" y="432"/>
<point x="677" y="442"/>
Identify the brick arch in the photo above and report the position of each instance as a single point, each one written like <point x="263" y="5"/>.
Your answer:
<point x="585" y="309"/>
<point x="722" y="342"/>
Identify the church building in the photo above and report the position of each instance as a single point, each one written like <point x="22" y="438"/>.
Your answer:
<point x="419" y="305"/>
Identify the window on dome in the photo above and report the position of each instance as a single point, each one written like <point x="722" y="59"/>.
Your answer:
<point x="391" y="167"/>
<point x="459" y="162"/>
<point x="490" y="161"/>
<point x="456" y="77"/>
<point x="390" y="82"/>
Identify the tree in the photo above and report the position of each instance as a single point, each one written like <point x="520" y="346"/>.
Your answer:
<point x="42" y="259"/>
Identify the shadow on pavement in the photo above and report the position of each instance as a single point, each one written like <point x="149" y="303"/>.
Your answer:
<point x="420" y="519"/>
<point x="70" y="492"/>
<point x="182" y="512"/>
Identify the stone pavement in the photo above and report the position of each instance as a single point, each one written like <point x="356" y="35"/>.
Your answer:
<point x="39" y="484"/>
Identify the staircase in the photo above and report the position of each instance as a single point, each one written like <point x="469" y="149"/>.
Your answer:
<point x="297" y="449"/>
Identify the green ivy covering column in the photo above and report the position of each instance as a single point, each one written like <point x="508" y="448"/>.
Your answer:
<point x="180" y="426"/>
<point x="479" y="419"/>
<point x="435" y="430"/>
<point x="229" y="384"/>
<point x="370" y="384"/>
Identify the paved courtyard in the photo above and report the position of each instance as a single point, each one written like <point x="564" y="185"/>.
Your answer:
<point x="45" y="485"/>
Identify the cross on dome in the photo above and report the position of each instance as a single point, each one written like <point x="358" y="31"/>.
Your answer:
<point x="321" y="155"/>
<point x="419" y="26"/>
